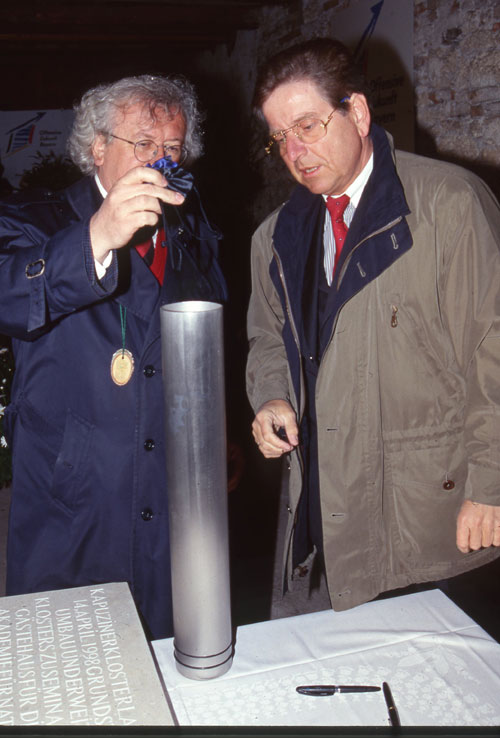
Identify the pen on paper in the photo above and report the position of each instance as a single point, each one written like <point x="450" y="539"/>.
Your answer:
<point x="391" y="706"/>
<point x="325" y="690"/>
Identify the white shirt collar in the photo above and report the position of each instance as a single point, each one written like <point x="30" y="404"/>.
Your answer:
<point x="99" y="185"/>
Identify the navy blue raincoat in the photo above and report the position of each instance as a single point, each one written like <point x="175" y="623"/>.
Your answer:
<point x="89" y="498"/>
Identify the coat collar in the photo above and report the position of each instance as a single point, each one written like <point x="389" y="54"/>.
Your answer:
<point x="383" y="201"/>
<point x="84" y="197"/>
<point x="300" y="222"/>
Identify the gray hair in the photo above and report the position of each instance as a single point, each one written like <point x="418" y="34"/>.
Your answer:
<point x="96" y="112"/>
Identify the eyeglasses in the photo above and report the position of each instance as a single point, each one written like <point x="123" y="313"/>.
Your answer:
<point x="147" y="150"/>
<point x="307" y="130"/>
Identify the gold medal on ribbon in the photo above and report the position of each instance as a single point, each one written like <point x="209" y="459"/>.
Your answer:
<point x="122" y="361"/>
<point x="122" y="366"/>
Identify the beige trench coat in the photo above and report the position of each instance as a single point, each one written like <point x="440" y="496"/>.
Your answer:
<point x="408" y="391"/>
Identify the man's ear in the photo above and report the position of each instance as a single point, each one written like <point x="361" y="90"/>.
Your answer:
<point x="98" y="148"/>
<point x="360" y="113"/>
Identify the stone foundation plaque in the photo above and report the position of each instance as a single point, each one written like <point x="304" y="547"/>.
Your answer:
<point x="77" y="657"/>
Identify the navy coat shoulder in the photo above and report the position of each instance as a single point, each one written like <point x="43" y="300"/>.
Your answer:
<point x="89" y="498"/>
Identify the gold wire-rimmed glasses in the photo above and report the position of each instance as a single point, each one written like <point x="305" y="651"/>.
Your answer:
<point x="307" y="130"/>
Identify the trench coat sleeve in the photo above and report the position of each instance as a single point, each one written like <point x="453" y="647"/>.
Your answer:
<point x="470" y="298"/>
<point x="45" y="275"/>
<point x="267" y="367"/>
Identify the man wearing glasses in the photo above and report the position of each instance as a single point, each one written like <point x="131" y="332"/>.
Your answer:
<point x="374" y="327"/>
<point x="83" y="275"/>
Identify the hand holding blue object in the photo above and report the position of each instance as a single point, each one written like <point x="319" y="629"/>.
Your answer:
<point x="178" y="179"/>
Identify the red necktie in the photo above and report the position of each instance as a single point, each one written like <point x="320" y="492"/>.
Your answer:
<point x="336" y="207"/>
<point x="155" y="257"/>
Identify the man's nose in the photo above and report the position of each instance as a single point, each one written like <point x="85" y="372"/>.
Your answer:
<point x="294" y="146"/>
<point x="161" y="150"/>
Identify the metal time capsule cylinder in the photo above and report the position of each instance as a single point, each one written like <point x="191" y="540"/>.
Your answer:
<point x="196" y="463"/>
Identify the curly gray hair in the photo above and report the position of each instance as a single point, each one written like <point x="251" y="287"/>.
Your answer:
<point x="95" y="114"/>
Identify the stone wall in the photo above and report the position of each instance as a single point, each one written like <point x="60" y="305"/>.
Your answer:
<point x="457" y="74"/>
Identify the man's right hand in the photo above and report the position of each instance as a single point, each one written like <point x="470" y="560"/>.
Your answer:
<point x="132" y="202"/>
<point x="272" y="416"/>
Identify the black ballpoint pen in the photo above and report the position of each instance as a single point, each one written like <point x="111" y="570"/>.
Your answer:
<point x="391" y="707"/>
<point x="325" y="690"/>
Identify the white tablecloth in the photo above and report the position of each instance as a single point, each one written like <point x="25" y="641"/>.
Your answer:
<point x="442" y="667"/>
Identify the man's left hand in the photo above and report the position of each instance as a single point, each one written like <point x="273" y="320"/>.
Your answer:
<point x="478" y="526"/>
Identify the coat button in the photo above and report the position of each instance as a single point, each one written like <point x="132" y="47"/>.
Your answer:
<point x="449" y="484"/>
<point x="147" y="514"/>
<point x="149" y="444"/>
<point x="149" y="371"/>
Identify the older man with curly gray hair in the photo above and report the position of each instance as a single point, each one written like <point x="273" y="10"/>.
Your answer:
<point x="84" y="273"/>
<point x="115" y="131"/>
<point x="99" y="108"/>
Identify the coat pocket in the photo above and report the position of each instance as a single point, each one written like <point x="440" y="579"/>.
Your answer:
<point x="71" y="462"/>
<point x="425" y="493"/>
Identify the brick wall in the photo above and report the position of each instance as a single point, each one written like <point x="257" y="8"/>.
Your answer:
<point x="457" y="75"/>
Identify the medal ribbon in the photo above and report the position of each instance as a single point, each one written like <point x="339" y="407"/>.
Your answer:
<point x="123" y="321"/>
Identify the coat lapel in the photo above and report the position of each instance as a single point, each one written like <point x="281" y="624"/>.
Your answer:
<point x="84" y="198"/>
<point x="365" y="255"/>
<point x="297" y="236"/>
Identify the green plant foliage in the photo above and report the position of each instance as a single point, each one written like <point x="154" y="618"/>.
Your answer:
<point x="54" y="171"/>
